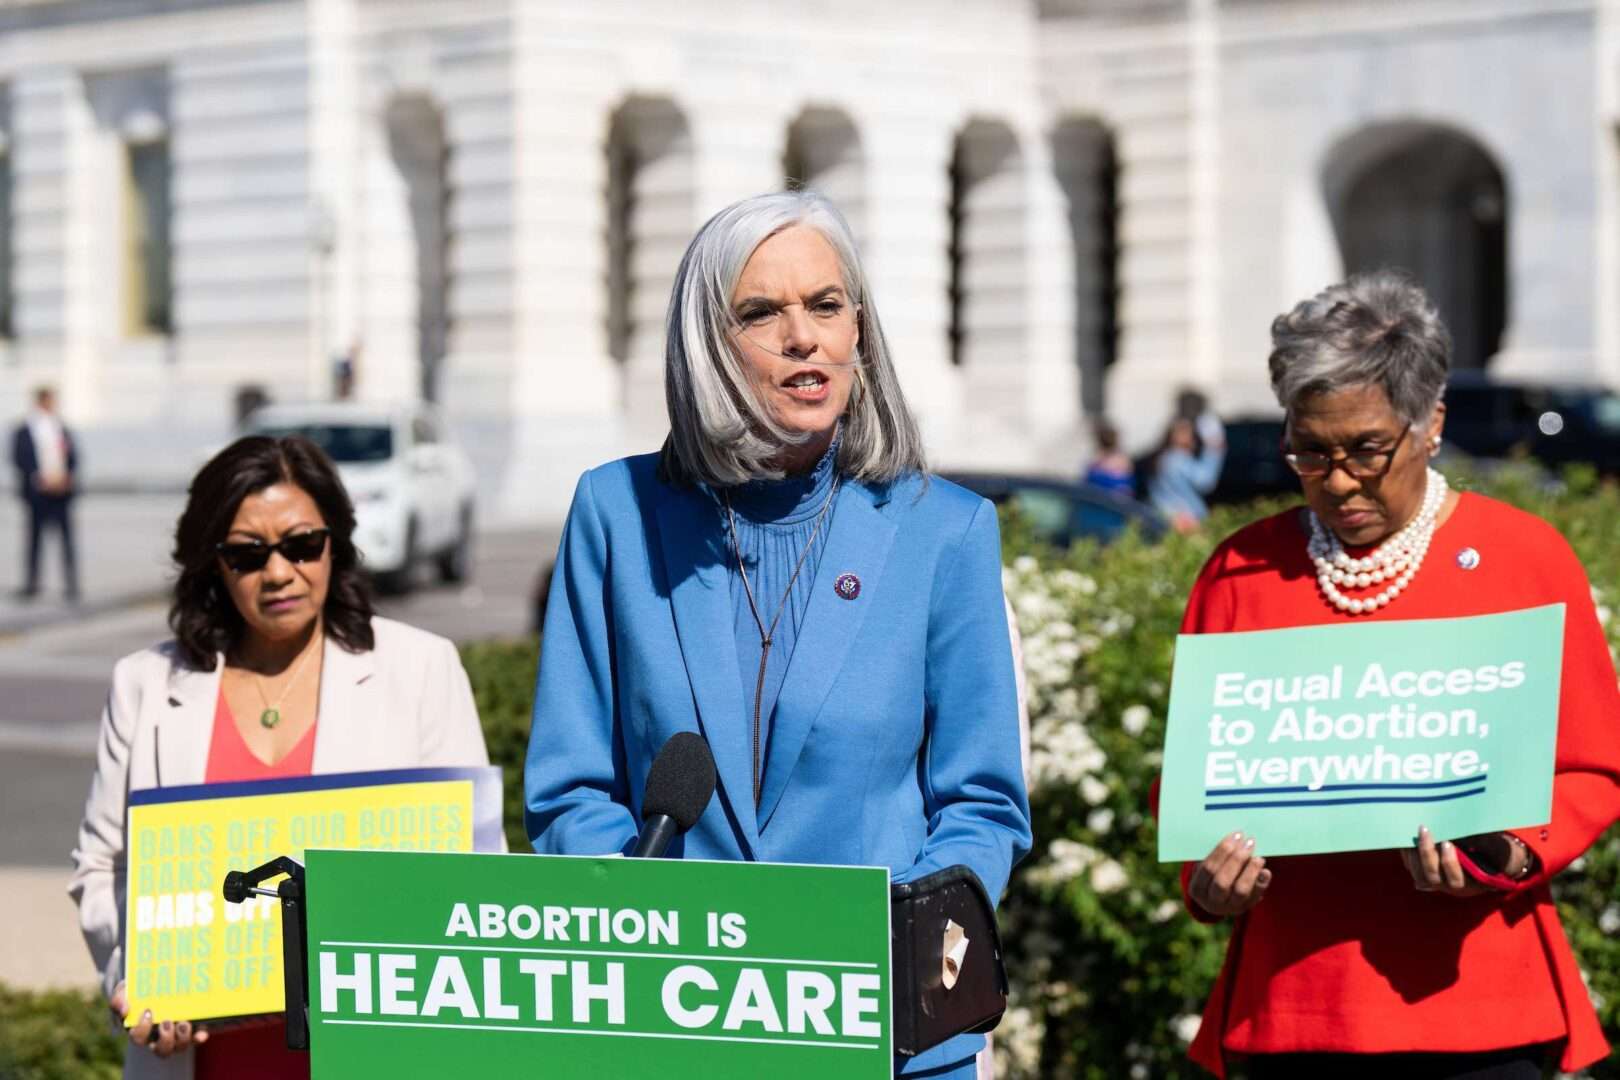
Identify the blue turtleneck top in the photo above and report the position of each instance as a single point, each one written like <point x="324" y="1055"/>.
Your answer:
<point x="775" y="520"/>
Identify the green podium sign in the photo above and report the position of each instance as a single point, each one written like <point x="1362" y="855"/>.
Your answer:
<point x="444" y="965"/>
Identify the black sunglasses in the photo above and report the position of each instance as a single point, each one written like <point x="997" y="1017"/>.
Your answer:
<point x="246" y="556"/>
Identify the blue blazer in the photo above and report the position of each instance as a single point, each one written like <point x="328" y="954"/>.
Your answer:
<point x="895" y="736"/>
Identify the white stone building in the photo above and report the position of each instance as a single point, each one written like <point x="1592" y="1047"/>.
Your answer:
<point x="1067" y="205"/>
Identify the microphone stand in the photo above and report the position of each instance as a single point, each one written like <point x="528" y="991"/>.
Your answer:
<point x="242" y="884"/>
<point x="656" y="834"/>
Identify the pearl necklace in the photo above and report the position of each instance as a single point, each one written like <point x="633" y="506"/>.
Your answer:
<point x="1396" y="560"/>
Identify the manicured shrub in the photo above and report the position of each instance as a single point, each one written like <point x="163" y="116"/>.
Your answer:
<point x="57" y="1035"/>
<point x="502" y="675"/>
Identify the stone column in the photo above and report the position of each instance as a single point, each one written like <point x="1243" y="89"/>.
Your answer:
<point x="1051" y="370"/>
<point x="907" y="254"/>
<point x="53" y="243"/>
<point x="340" y="149"/>
<point x="564" y="402"/>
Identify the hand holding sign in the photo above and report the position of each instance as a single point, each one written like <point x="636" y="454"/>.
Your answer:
<point x="1231" y="879"/>
<point x="163" y="1039"/>
<point x="1436" y="868"/>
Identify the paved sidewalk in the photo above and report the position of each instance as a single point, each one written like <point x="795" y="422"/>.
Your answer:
<point x="40" y="945"/>
<point x="123" y="547"/>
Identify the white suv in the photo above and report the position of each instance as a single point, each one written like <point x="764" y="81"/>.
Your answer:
<point x="412" y="490"/>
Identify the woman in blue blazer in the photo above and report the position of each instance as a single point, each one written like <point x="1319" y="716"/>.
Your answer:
<point x="789" y="505"/>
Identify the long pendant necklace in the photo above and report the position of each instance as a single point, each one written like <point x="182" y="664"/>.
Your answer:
<point x="1396" y="559"/>
<point x="767" y="634"/>
<point x="271" y="716"/>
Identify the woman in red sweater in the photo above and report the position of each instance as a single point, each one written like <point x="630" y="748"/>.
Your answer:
<point x="1442" y="960"/>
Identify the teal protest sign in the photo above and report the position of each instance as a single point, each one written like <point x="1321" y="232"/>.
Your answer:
<point x="1348" y="737"/>
<point x="468" y="965"/>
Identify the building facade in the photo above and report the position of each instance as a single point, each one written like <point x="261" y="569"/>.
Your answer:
<point x="1068" y="207"/>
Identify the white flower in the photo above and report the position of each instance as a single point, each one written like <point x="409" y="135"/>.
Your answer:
<point x="1135" y="719"/>
<point x="1093" y="790"/>
<point x="1018" y="1043"/>
<point x="1062" y="753"/>
<point x="1186" y="1026"/>
<point x="1025" y="564"/>
<point x="1065" y="860"/>
<point x="1073" y="581"/>
<point x="1167" y="910"/>
<point x="1586" y="980"/>
<point x="1108" y="876"/>
<point x="1609" y="921"/>
<point x="1101" y="820"/>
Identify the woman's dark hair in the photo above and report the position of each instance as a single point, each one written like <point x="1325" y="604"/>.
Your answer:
<point x="204" y="620"/>
<point x="1107" y="436"/>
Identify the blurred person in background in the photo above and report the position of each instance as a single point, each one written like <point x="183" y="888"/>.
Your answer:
<point x="47" y="462"/>
<point x="277" y="669"/>
<point x="1188" y="463"/>
<point x="785" y="578"/>
<point x="1112" y="470"/>
<point x="1444" y="960"/>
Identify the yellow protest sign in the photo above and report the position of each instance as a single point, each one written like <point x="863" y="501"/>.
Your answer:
<point x="188" y="955"/>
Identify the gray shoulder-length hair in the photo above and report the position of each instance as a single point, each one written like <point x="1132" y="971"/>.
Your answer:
<point x="1376" y="329"/>
<point x="720" y="431"/>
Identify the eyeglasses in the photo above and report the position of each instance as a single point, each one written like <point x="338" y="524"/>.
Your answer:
<point x="247" y="556"/>
<point x="1360" y="464"/>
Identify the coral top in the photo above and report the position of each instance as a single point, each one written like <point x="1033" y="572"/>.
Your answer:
<point x="253" y="1049"/>
<point x="1343" y="954"/>
<point x="229" y="758"/>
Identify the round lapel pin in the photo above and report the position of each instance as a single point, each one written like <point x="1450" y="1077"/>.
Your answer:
<point x="847" y="586"/>
<point x="1468" y="558"/>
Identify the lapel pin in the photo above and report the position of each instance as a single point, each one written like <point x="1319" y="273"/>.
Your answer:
<point x="1468" y="558"/>
<point x="847" y="585"/>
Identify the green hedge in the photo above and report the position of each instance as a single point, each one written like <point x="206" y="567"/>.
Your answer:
<point x="502" y="674"/>
<point x="57" y="1035"/>
<point x="1109" y="973"/>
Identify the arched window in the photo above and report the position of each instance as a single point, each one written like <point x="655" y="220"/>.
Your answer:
<point x="150" y="292"/>
<point x="987" y="248"/>
<point x="1431" y="200"/>
<point x="649" y="221"/>
<point x="1088" y="172"/>
<point x="824" y="154"/>
<point x="417" y="144"/>
<point x="133" y="177"/>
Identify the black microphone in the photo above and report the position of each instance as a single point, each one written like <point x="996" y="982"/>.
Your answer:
<point x="679" y="785"/>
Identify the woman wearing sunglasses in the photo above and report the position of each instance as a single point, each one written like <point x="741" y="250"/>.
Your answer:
<point x="277" y="668"/>
<point x="1443" y="959"/>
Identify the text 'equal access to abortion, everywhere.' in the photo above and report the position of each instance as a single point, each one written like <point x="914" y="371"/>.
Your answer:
<point x="1349" y="736"/>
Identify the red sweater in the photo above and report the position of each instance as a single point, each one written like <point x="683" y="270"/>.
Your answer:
<point x="1343" y="954"/>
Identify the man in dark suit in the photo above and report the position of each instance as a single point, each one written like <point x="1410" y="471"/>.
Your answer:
<point x="43" y="453"/>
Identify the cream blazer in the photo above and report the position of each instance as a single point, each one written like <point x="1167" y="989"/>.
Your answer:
<point x="405" y="704"/>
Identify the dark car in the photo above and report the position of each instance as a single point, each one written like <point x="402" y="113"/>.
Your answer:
<point x="1254" y="464"/>
<point x="1556" y="425"/>
<point x="1061" y="512"/>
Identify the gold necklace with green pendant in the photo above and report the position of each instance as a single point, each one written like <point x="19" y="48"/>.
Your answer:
<point x="271" y="716"/>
